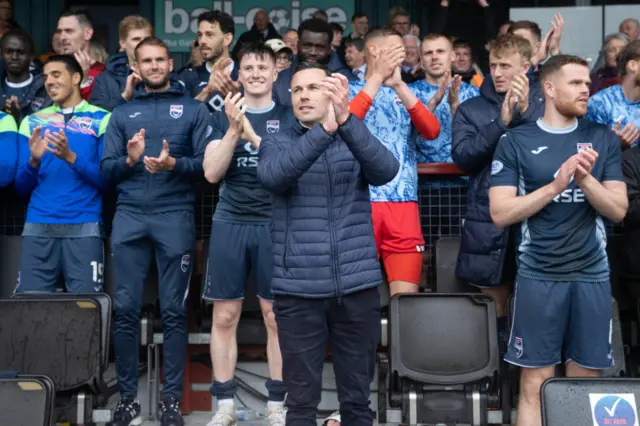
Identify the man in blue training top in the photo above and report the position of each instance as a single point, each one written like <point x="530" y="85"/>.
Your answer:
<point x="437" y="55"/>
<point x="240" y="233"/>
<point x="153" y="153"/>
<point x="557" y="178"/>
<point x="8" y="149"/>
<point x="619" y="106"/>
<point x="59" y="155"/>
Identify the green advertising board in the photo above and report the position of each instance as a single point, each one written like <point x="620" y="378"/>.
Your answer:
<point x="177" y="20"/>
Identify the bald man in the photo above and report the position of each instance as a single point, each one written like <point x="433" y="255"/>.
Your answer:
<point x="630" y="27"/>
<point x="262" y="30"/>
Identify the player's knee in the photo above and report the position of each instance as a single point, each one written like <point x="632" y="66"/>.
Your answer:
<point x="531" y="380"/>
<point x="269" y="320"/>
<point x="226" y="317"/>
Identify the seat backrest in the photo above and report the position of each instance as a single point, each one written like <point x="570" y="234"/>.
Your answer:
<point x="57" y="337"/>
<point x="27" y="400"/>
<point x="447" y="249"/>
<point x="104" y="302"/>
<point x="590" y="401"/>
<point x="443" y="339"/>
<point x="10" y="247"/>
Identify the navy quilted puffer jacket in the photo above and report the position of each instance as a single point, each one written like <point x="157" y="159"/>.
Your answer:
<point x="321" y="229"/>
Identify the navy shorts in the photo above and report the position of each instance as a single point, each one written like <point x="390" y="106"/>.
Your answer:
<point x="235" y="249"/>
<point x="79" y="260"/>
<point x="555" y="321"/>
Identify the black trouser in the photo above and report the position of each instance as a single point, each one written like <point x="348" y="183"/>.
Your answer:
<point x="352" y="325"/>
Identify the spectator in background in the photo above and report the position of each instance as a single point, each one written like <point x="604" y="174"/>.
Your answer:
<point x="486" y="259"/>
<point x="261" y="31"/>
<point x="336" y="42"/>
<point x="76" y="32"/>
<point x="56" y="47"/>
<point x="619" y="106"/>
<point x="291" y="40"/>
<point x="98" y="52"/>
<point x="6" y="17"/>
<point x="607" y="75"/>
<point x="211" y="81"/>
<point x="463" y="64"/>
<point x="8" y="149"/>
<point x="411" y="66"/>
<point x="443" y="95"/>
<point x="356" y="57"/>
<point x="400" y="22"/>
<point x="115" y="86"/>
<point x="284" y="56"/>
<point x="22" y="93"/>
<point x="153" y="153"/>
<point x="359" y="28"/>
<point x="320" y="14"/>
<point x="314" y="46"/>
<point x="630" y="27"/>
<point x="58" y="168"/>
<point x="541" y="48"/>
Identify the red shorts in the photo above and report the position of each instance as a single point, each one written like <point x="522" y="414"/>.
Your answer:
<point x="399" y="240"/>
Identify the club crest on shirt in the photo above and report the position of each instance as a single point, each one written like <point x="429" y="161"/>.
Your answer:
<point x="176" y="111"/>
<point x="184" y="265"/>
<point x="84" y="122"/>
<point x="584" y="146"/>
<point x="273" y="126"/>
<point x="36" y="103"/>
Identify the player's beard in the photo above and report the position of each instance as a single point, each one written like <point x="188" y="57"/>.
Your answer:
<point x="323" y="61"/>
<point x="570" y="109"/>
<point x="155" y="86"/>
<point x="216" y="53"/>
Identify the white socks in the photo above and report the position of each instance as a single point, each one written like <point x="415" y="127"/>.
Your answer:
<point x="275" y="404"/>
<point x="227" y="403"/>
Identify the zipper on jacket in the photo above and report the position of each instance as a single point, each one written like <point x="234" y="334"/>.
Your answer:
<point x="149" y="176"/>
<point x="331" y="233"/>
<point x="286" y="235"/>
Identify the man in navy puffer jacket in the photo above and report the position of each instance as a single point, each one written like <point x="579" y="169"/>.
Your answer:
<point x="115" y="85"/>
<point x="486" y="259"/>
<point x="153" y="152"/>
<point x="325" y="267"/>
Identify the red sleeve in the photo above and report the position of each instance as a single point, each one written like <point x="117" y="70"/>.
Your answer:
<point x="94" y="72"/>
<point x="424" y="120"/>
<point x="360" y="104"/>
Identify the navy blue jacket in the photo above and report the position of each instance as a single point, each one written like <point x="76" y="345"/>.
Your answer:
<point x="282" y="86"/>
<point x="109" y="85"/>
<point x="172" y="116"/>
<point x="476" y="129"/>
<point x="321" y="227"/>
<point x="34" y="99"/>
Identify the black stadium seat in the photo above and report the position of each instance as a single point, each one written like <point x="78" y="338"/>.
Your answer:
<point x="9" y="264"/>
<point x="447" y="249"/>
<point x="74" y="329"/>
<point x="443" y="357"/>
<point x="26" y="400"/>
<point x="584" y="401"/>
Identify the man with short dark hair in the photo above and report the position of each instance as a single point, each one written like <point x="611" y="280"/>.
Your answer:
<point x="510" y="97"/>
<point x="115" y="86"/>
<point x="217" y="76"/>
<point x="261" y="31"/>
<point x="58" y="169"/>
<point x="314" y="46"/>
<point x="463" y="64"/>
<point x="153" y="154"/>
<point x="401" y="23"/>
<point x="558" y="178"/>
<point x="325" y="271"/>
<point x="356" y="57"/>
<point x="22" y="92"/>
<point x="619" y="106"/>
<point x="76" y="32"/>
<point x="240" y="233"/>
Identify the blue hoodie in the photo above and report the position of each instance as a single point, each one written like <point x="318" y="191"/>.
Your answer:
<point x="172" y="116"/>
<point x="109" y="85"/>
<point x="8" y="149"/>
<point x="282" y="86"/>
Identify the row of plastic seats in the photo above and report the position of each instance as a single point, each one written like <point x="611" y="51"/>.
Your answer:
<point x="60" y="338"/>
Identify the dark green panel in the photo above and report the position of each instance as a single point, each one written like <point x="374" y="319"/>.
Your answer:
<point x="39" y="18"/>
